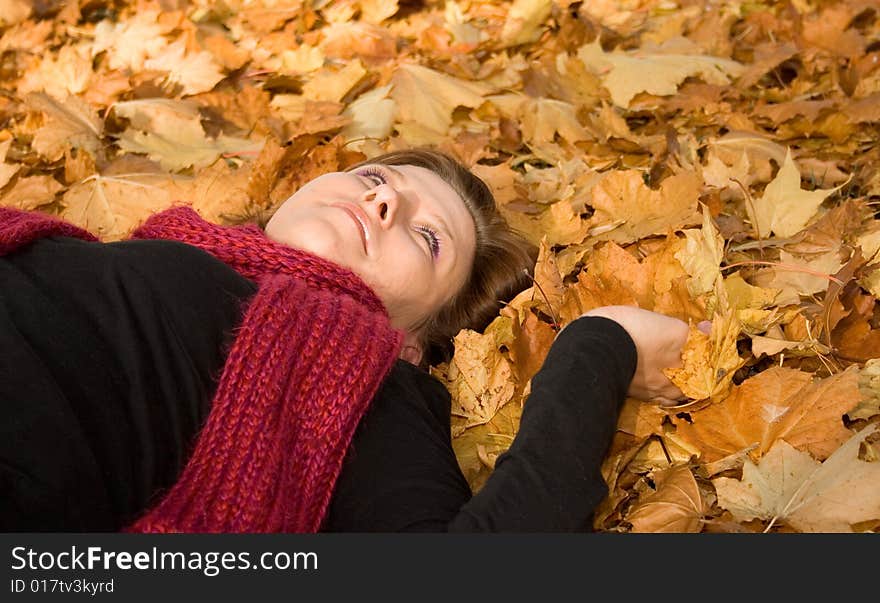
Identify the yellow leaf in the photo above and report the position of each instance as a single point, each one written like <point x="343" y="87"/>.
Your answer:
<point x="790" y="486"/>
<point x="428" y="97"/>
<point x="332" y="85"/>
<point x="31" y="192"/>
<point x="869" y="390"/>
<point x="6" y="171"/>
<point x="195" y="72"/>
<point x="112" y="206"/>
<point x="701" y="257"/>
<point x="131" y="42"/>
<point x="627" y="74"/>
<point x="627" y="210"/>
<point x="543" y="118"/>
<point x="785" y="209"/>
<point x="72" y="123"/>
<point x="372" y="116"/>
<point x="709" y="361"/>
<point x="480" y="377"/>
<point x="524" y="21"/>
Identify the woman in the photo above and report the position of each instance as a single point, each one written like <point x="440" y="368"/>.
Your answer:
<point x="205" y="378"/>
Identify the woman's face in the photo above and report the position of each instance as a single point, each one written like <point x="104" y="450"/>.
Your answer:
<point x="402" y="229"/>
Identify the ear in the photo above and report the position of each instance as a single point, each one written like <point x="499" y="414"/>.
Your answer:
<point x="412" y="350"/>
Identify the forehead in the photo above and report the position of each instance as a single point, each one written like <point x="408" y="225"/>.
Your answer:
<point x="437" y="197"/>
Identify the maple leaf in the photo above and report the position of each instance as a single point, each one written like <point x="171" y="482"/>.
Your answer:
<point x="112" y="206"/>
<point x="676" y="504"/>
<point x="524" y="22"/>
<point x="14" y="11"/>
<point x="869" y="390"/>
<point x="195" y="72"/>
<point x="31" y="192"/>
<point x="129" y="43"/>
<point x="372" y="116"/>
<point x="708" y="361"/>
<point x="742" y="419"/>
<point x="480" y="377"/>
<point x="174" y="135"/>
<point x="701" y="258"/>
<point x="428" y="97"/>
<point x="627" y="74"/>
<point x="627" y="210"/>
<point x="6" y="171"/>
<point x="791" y="486"/>
<point x="785" y="209"/>
<point x="68" y="74"/>
<point x="333" y="85"/>
<point x="72" y="123"/>
<point x="813" y="421"/>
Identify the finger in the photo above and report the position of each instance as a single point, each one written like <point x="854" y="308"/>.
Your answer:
<point x="665" y="401"/>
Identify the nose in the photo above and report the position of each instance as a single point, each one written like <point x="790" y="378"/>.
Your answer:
<point x="383" y="202"/>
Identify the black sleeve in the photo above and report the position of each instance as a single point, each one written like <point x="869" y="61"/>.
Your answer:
<point x="401" y="474"/>
<point x="109" y="355"/>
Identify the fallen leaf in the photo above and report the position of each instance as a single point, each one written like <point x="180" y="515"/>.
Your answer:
<point x="813" y="421"/>
<point x="7" y="171"/>
<point x="708" y="361"/>
<point x="429" y="97"/>
<point x="675" y="505"/>
<point x="785" y="209"/>
<point x="790" y="486"/>
<point x="194" y="72"/>
<point x="627" y="74"/>
<point x="525" y="20"/>
<point x="627" y="210"/>
<point x="31" y="192"/>
<point x="743" y="418"/>
<point x="72" y="123"/>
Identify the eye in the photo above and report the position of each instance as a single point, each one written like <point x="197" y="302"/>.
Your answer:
<point x="430" y="236"/>
<point x="373" y="174"/>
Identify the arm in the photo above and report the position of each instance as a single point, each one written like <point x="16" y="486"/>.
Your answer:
<point x="402" y="474"/>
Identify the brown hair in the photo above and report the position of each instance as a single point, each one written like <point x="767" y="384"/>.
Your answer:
<point x="502" y="262"/>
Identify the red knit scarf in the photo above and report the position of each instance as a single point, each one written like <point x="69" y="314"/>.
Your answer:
<point x="314" y="345"/>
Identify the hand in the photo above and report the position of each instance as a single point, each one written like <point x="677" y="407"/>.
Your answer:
<point x="659" y="341"/>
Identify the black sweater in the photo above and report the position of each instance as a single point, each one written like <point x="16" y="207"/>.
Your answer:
<point x="109" y="356"/>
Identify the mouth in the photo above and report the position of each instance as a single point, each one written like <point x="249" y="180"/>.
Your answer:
<point x="360" y="219"/>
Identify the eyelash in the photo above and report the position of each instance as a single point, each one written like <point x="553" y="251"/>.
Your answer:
<point x="376" y="176"/>
<point x="372" y="174"/>
<point x="431" y="237"/>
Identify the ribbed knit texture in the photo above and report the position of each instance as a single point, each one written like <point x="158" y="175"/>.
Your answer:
<point x="313" y="347"/>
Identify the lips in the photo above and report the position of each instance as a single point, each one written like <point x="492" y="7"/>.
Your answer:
<point x="360" y="218"/>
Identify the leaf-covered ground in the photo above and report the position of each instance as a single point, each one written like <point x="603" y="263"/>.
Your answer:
<point x="707" y="160"/>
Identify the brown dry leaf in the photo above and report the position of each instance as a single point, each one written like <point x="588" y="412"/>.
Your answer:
<point x="743" y="418"/>
<point x="480" y="377"/>
<point x="626" y="75"/>
<point x="790" y="486"/>
<point x="371" y="114"/>
<point x="72" y="123"/>
<point x="785" y="209"/>
<point x="218" y="193"/>
<point x="31" y="192"/>
<point x="68" y="74"/>
<point x="130" y="43"/>
<point x="14" y="11"/>
<point x="110" y="207"/>
<point x="525" y="20"/>
<point x="813" y="421"/>
<point x="7" y="171"/>
<point x="531" y="343"/>
<point x="627" y="210"/>
<point x="709" y="361"/>
<point x="428" y="97"/>
<point x="869" y="390"/>
<point x="675" y="506"/>
<point x="640" y="419"/>
<point x="194" y="72"/>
